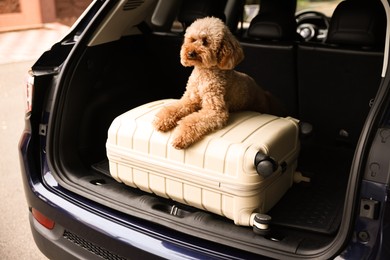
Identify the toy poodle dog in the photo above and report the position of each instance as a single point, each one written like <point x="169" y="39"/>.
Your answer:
<point x="214" y="88"/>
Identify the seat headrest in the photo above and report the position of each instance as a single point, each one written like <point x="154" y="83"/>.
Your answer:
<point x="275" y="20"/>
<point x="356" y="22"/>
<point x="192" y="10"/>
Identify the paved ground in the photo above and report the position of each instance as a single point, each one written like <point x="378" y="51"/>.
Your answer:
<point x="29" y="44"/>
<point x="18" y="51"/>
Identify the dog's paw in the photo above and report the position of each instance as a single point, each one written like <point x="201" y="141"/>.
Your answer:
<point x="163" y="123"/>
<point x="165" y="119"/>
<point x="184" y="136"/>
<point x="160" y="125"/>
<point x="180" y="143"/>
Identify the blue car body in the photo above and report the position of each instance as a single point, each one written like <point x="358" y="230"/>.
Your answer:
<point x="69" y="222"/>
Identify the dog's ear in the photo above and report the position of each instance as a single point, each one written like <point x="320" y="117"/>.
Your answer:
<point x="230" y="53"/>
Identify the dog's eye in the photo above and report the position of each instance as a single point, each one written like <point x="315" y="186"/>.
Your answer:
<point x="192" y="40"/>
<point x="205" y="42"/>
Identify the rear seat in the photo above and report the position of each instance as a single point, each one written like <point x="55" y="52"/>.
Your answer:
<point x="192" y="10"/>
<point x="269" y="48"/>
<point x="339" y="80"/>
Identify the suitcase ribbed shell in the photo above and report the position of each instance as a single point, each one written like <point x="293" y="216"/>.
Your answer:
<point x="216" y="174"/>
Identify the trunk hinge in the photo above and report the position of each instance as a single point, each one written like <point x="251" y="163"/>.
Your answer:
<point x="42" y="129"/>
<point x="369" y="208"/>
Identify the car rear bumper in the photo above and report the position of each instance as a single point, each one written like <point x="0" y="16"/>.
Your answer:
<point x="86" y="230"/>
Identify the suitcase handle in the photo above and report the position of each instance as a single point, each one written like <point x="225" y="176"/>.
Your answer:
<point x="265" y="165"/>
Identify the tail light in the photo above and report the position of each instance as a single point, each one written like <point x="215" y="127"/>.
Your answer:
<point x="42" y="219"/>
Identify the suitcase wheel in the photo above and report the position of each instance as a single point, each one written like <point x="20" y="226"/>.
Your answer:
<point x="265" y="165"/>
<point x="261" y="224"/>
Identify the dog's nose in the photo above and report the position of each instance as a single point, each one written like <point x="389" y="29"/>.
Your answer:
<point x="191" y="54"/>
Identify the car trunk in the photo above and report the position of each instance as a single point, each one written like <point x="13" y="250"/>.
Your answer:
<point x="111" y="78"/>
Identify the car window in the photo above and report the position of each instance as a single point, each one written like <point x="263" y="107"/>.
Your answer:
<point x="252" y="7"/>
<point x="326" y="7"/>
<point x="323" y="6"/>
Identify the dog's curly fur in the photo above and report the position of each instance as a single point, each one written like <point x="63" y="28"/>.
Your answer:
<point x="214" y="88"/>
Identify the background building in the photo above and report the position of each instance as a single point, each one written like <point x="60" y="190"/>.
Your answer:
<point x="26" y="14"/>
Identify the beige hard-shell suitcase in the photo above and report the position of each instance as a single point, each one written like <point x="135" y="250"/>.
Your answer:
<point x="236" y="172"/>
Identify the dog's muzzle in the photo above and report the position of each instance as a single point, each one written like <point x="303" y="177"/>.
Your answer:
<point x="191" y="55"/>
